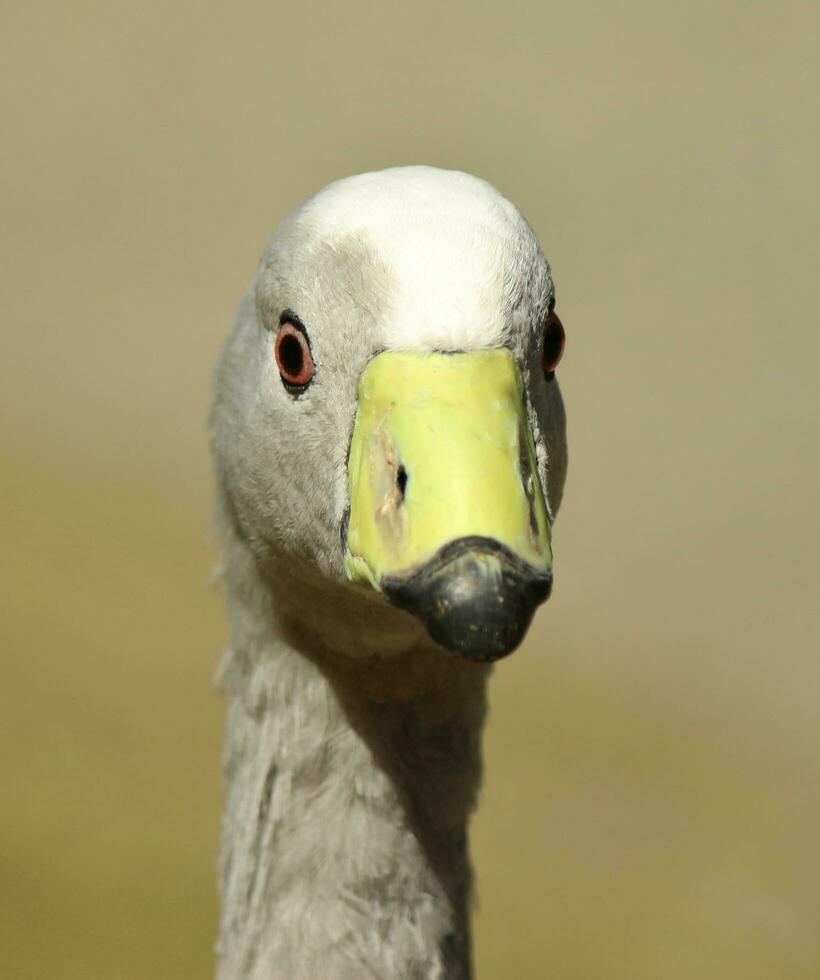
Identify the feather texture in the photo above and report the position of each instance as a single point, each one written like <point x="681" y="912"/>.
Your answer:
<point x="353" y="749"/>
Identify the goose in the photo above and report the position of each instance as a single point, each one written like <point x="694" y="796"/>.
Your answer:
<point x="389" y="447"/>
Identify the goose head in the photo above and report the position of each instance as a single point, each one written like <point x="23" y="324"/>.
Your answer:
<point x="387" y="418"/>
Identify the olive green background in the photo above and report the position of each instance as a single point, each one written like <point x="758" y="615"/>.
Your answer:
<point x="651" y="807"/>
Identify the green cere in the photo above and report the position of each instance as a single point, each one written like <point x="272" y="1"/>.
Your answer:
<point x="442" y="449"/>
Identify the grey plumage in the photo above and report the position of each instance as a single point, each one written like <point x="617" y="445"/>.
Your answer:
<point x="353" y="755"/>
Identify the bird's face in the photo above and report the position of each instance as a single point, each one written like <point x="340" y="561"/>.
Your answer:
<point x="387" y="408"/>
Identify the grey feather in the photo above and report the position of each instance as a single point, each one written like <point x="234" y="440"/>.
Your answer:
<point x="353" y="750"/>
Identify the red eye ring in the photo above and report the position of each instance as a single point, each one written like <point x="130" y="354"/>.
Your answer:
<point x="293" y="357"/>
<point x="554" y="342"/>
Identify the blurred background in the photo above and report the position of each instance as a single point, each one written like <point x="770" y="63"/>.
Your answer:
<point x="652" y="797"/>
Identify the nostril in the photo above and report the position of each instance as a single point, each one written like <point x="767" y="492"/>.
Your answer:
<point x="401" y="481"/>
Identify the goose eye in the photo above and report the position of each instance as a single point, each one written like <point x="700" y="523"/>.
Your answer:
<point x="554" y="339"/>
<point x="293" y="357"/>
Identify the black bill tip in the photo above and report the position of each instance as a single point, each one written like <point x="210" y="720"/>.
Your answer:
<point x="475" y="596"/>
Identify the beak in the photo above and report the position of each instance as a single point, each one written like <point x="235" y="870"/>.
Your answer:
<point x="447" y="516"/>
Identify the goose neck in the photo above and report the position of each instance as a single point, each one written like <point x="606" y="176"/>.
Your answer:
<point x="351" y="776"/>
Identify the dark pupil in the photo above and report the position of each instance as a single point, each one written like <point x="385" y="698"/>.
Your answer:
<point x="552" y="344"/>
<point x="290" y="356"/>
